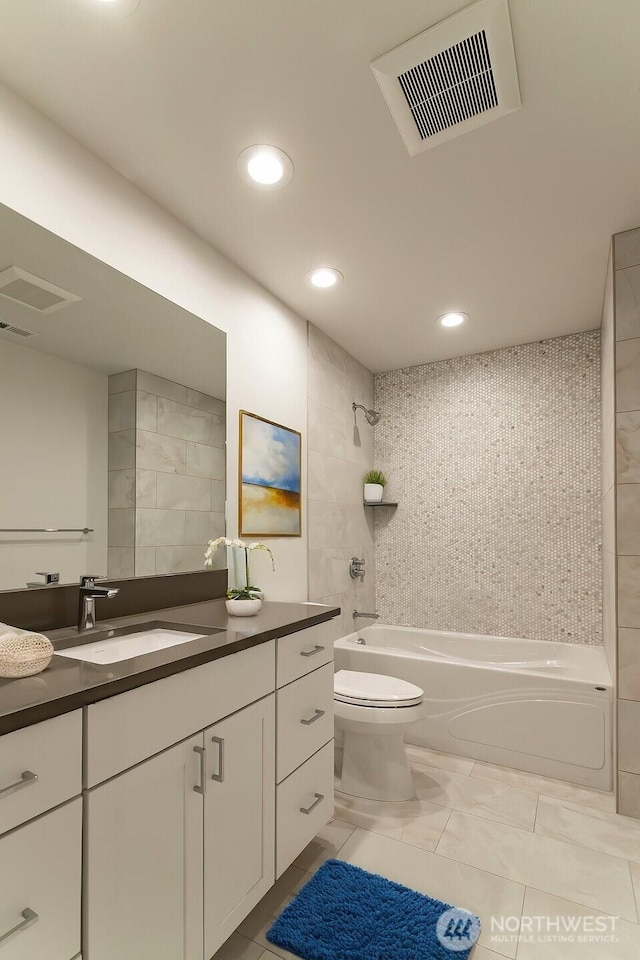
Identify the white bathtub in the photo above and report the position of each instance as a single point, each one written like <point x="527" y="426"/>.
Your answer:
<point x="530" y="704"/>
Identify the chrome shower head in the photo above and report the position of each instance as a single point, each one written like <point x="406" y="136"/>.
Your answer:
<point x="371" y="416"/>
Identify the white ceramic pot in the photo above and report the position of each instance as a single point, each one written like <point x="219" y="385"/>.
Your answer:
<point x="243" y="608"/>
<point x="373" y="492"/>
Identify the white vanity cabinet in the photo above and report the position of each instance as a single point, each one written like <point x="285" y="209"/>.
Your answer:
<point x="41" y="842"/>
<point x="304" y="793"/>
<point x="40" y="871"/>
<point x="180" y="847"/>
<point x="239" y="818"/>
<point x="161" y="816"/>
<point x="40" y="767"/>
<point x="143" y="872"/>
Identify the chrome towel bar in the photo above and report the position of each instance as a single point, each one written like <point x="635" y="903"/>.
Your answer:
<point x="46" y="530"/>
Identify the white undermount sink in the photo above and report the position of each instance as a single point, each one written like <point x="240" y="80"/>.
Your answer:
<point x="124" y="643"/>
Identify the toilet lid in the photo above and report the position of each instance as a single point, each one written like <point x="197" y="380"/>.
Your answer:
<point x="374" y="689"/>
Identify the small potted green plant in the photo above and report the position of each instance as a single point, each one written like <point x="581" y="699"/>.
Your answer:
<point x="243" y="601"/>
<point x="374" y="484"/>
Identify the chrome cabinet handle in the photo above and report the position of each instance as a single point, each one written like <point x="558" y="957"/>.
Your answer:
<point x="29" y="918"/>
<point x="316" y="716"/>
<point x="219" y="776"/>
<point x="202" y="786"/>
<point x="26" y="778"/>
<point x="319" y="797"/>
<point x="312" y="653"/>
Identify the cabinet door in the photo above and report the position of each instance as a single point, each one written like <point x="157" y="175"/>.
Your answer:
<point x="239" y="821"/>
<point x="40" y="866"/>
<point x="144" y="861"/>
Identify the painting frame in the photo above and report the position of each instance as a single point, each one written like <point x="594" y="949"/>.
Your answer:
<point x="252" y="426"/>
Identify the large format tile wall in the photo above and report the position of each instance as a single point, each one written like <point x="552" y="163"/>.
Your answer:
<point x="626" y="282"/>
<point x="166" y="475"/>
<point x="340" y="451"/>
<point x="608" y="487"/>
<point x="495" y="462"/>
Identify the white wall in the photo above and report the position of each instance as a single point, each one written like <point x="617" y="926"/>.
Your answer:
<point x="60" y="408"/>
<point x="52" y="180"/>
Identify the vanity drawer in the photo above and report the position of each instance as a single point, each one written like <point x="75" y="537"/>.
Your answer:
<point x="133" y="726"/>
<point x="40" y="871"/>
<point x="302" y="652"/>
<point x="305" y="719"/>
<point x="304" y="804"/>
<point x="51" y="750"/>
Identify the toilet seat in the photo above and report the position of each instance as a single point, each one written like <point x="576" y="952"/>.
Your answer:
<point x="375" y="690"/>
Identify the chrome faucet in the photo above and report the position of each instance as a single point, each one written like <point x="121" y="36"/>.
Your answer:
<point x="87" y="597"/>
<point x="366" y="616"/>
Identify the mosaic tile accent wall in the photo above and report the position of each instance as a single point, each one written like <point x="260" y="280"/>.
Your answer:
<point x="495" y="462"/>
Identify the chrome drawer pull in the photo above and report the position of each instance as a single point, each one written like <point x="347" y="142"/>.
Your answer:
<point x="30" y="917"/>
<point x="26" y="778"/>
<point x="219" y="776"/>
<point x="319" y="797"/>
<point x="316" y="716"/>
<point x="312" y="653"/>
<point x="202" y="786"/>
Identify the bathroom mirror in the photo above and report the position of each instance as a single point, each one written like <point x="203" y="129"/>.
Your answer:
<point x="112" y="419"/>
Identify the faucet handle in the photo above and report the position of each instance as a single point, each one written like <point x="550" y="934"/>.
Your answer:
<point x="48" y="577"/>
<point x="89" y="579"/>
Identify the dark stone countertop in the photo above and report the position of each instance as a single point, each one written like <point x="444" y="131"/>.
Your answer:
<point x="67" y="684"/>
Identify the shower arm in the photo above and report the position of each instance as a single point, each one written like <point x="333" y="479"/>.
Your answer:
<point x="371" y="416"/>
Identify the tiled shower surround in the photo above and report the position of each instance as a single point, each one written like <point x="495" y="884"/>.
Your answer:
<point x="166" y="475"/>
<point x="340" y="451"/>
<point x="495" y="461"/>
<point x="621" y="503"/>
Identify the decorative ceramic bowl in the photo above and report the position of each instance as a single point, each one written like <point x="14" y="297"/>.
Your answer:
<point x="244" y="608"/>
<point x="24" y="655"/>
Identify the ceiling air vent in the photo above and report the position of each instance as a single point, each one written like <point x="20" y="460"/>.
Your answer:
<point x="31" y="291"/>
<point x="454" y="77"/>
<point x="17" y="331"/>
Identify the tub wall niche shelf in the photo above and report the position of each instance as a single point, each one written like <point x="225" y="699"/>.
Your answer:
<point x="380" y="503"/>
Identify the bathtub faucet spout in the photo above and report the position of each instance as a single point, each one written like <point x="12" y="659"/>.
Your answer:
<point x="367" y="616"/>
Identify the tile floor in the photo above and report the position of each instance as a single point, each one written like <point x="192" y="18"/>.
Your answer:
<point x="492" y="840"/>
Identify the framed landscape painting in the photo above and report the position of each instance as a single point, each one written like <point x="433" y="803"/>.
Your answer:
<point x="270" y="489"/>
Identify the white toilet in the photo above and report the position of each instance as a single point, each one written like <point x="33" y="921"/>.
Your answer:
<point x="372" y="713"/>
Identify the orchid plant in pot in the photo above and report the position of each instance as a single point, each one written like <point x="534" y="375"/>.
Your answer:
<point x="241" y="601"/>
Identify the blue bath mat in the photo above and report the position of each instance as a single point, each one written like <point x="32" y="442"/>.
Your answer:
<point x="345" y="913"/>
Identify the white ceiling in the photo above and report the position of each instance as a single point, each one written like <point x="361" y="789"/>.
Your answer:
<point x="509" y="223"/>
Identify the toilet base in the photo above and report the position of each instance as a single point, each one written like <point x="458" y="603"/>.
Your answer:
<point x="375" y="767"/>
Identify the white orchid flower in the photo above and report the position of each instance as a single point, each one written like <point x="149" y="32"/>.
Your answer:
<point x="262" y="546"/>
<point x="213" y="545"/>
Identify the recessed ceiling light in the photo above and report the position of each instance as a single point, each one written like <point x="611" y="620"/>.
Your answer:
<point x="452" y="319"/>
<point x="265" y="166"/>
<point x="324" y="277"/>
